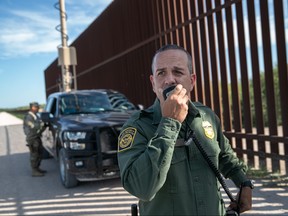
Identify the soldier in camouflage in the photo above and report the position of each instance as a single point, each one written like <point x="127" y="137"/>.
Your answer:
<point x="33" y="128"/>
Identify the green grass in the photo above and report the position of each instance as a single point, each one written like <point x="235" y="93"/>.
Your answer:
<point x="18" y="112"/>
<point x="268" y="179"/>
<point x="257" y="173"/>
<point x="18" y="115"/>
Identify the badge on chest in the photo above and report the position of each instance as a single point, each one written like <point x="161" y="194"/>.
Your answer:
<point x="208" y="129"/>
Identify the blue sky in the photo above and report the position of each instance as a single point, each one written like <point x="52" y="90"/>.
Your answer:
<point x="28" y="43"/>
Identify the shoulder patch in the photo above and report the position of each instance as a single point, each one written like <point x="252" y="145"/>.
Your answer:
<point x="126" y="138"/>
<point x="30" y="124"/>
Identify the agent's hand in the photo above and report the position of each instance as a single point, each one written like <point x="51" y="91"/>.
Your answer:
<point x="175" y="106"/>
<point x="245" y="202"/>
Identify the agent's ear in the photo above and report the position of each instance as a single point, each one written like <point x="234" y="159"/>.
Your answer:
<point x="193" y="78"/>
<point x="152" y="83"/>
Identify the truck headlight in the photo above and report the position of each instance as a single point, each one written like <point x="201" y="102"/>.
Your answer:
<point x="69" y="135"/>
<point x="77" y="146"/>
<point x="74" y="145"/>
<point x="71" y="140"/>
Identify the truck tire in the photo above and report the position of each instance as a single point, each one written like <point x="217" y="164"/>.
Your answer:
<point x="67" y="179"/>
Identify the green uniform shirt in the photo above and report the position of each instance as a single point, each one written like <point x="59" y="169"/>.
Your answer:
<point x="170" y="178"/>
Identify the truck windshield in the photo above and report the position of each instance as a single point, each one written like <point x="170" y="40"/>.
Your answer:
<point x="84" y="103"/>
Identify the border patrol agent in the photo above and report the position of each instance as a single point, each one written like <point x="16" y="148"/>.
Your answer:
<point x="33" y="128"/>
<point x="169" y="177"/>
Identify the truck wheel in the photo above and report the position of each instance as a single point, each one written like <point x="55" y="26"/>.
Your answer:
<point x="67" y="179"/>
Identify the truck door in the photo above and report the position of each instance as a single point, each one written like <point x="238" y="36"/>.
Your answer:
<point x="49" y="134"/>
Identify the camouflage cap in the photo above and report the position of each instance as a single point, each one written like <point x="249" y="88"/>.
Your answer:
<point x="36" y="104"/>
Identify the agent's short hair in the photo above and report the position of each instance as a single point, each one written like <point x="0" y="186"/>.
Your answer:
<point x="173" y="47"/>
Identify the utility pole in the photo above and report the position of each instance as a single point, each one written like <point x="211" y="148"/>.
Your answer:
<point x="66" y="55"/>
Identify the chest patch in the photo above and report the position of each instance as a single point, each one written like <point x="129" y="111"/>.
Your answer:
<point x="126" y="138"/>
<point x="208" y="129"/>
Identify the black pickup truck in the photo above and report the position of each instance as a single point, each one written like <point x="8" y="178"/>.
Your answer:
<point x="82" y="133"/>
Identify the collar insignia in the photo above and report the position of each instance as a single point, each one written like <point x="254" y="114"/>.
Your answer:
<point x="208" y="129"/>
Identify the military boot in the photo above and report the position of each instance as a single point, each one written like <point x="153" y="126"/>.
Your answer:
<point x="36" y="173"/>
<point x="41" y="171"/>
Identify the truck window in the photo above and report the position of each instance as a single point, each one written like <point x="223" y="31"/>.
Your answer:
<point x="84" y="103"/>
<point x="51" y="106"/>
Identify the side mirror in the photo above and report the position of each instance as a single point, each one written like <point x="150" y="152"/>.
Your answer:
<point x="45" y="117"/>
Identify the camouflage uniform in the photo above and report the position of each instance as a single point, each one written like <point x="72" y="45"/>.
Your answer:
<point x="33" y="128"/>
